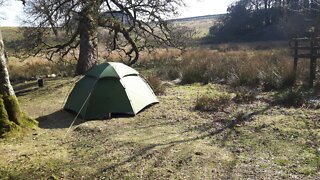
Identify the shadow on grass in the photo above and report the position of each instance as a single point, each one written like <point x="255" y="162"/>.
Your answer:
<point x="229" y="126"/>
<point x="58" y="119"/>
<point x="63" y="119"/>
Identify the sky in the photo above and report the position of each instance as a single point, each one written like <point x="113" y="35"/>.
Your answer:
<point x="13" y="11"/>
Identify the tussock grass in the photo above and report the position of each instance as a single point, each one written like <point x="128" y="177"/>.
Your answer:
<point x="271" y="69"/>
<point x="213" y="101"/>
<point x="240" y="66"/>
<point x="295" y="97"/>
<point x="268" y="68"/>
<point x="33" y="68"/>
<point x="156" y="84"/>
<point x="244" y="95"/>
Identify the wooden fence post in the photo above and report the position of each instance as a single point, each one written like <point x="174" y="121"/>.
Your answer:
<point x="295" y="63"/>
<point x="313" y="55"/>
<point x="313" y="61"/>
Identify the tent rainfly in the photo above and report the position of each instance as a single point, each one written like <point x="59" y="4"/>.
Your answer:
<point x="110" y="88"/>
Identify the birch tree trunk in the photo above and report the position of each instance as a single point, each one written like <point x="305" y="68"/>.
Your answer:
<point x="11" y="117"/>
<point x="5" y="85"/>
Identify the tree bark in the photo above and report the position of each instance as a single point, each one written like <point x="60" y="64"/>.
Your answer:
<point x="5" y="85"/>
<point x="88" y="56"/>
<point x="11" y="117"/>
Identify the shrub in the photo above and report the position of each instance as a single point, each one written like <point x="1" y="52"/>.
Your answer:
<point x="213" y="101"/>
<point x="156" y="84"/>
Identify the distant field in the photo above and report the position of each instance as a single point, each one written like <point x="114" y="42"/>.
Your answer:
<point x="11" y="33"/>
<point x="201" y="24"/>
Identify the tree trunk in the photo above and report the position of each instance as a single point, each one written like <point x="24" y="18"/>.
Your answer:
<point x="11" y="117"/>
<point x="5" y="85"/>
<point x="88" y="56"/>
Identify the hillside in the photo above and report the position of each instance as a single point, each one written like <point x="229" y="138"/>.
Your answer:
<point x="10" y="33"/>
<point x="201" y="24"/>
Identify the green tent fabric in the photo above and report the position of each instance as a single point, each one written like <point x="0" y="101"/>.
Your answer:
<point x="110" y="88"/>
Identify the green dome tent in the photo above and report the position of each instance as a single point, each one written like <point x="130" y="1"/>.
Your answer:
<point x="110" y="88"/>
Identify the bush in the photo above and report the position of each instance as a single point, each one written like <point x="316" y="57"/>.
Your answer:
<point x="213" y="101"/>
<point x="156" y="84"/>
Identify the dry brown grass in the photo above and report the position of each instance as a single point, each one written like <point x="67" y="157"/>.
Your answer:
<point x="35" y="67"/>
<point x="249" y="64"/>
<point x="239" y="66"/>
<point x="160" y="53"/>
<point x="270" y="69"/>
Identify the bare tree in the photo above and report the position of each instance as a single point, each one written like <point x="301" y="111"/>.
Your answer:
<point x="134" y="25"/>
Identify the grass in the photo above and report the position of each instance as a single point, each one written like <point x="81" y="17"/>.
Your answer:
<point x="35" y="67"/>
<point x="265" y="65"/>
<point x="271" y="69"/>
<point x="201" y="25"/>
<point x="254" y="140"/>
<point x="252" y="135"/>
<point x="244" y="95"/>
<point x="295" y="97"/>
<point x="156" y="84"/>
<point x="11" y="33"/>
<point x="267" y="69"/>
<point x="213" y="101"/>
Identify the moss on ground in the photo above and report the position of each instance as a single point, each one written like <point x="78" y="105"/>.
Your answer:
<point x="13" y="109"/>
<point x="11" y="117"/>
<point x="7" y="127"/>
